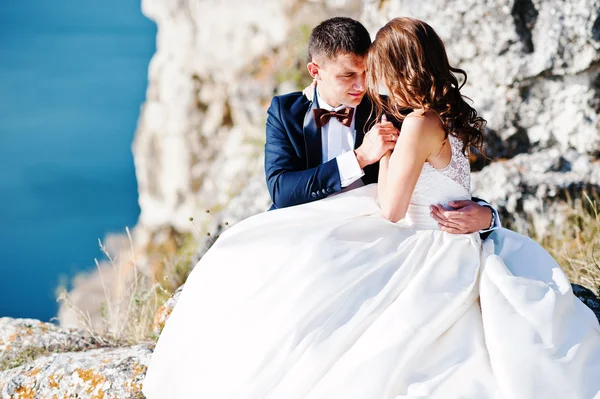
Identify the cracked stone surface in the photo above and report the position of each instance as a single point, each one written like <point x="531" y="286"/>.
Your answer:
<point x="99" y="373"/>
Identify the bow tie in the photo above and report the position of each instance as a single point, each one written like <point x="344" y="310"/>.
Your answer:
<point x="322" y="116"/>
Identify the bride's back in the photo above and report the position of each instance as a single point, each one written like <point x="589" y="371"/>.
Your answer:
<point x="445" y="169"/>
<point x="450" y="183"/>
<point x="445" y="175"/>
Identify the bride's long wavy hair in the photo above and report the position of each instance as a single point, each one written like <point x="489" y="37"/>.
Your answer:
<point x="410" y="59"/>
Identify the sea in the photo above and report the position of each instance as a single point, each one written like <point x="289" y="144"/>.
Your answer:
<point x="73" y="76"/>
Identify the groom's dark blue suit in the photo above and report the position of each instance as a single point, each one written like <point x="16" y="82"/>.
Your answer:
<point x="293" y="152"/>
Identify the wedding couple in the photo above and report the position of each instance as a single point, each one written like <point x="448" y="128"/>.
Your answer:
<point x="356" y="290"/>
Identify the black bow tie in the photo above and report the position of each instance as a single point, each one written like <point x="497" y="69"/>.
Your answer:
<point x="322" y="116"/>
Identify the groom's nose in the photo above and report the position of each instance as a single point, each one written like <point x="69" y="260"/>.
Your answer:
<point x="359" y="83"/>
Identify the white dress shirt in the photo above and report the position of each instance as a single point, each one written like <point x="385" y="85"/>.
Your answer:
<point x="338" y="142"/>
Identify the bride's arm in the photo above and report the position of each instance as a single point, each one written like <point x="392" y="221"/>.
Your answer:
<point x="381" y="177"/>
<point x="400" y="170"/>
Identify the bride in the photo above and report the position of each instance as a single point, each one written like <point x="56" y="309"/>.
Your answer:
<point x="361" y="296"/>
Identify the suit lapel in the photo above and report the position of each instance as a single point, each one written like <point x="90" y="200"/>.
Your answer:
<point x="312" y="136"/>
<point x="363" y="111"/>
<point x="362" y="122"/>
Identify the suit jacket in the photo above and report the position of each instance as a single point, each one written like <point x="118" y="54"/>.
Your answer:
<point x="293" y="152"/>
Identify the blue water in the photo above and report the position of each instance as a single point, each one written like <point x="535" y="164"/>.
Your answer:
<point x="73" y="75"/>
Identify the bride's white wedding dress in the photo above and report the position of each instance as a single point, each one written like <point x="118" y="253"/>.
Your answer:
<point x="330" y="300"/>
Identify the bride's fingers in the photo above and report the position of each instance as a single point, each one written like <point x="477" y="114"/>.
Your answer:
<point x="389" y="134"/>
<point x="388" y="128"/>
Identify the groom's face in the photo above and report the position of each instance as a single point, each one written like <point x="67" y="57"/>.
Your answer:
<point x="341" y="81"/>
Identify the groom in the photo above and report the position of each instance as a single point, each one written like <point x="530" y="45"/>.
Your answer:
<point x="315" y="149"/>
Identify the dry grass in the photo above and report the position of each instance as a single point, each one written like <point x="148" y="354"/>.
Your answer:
<point x="22" y="356"/>
<point x="575" y="244"/>
<point x="133" y="298"/>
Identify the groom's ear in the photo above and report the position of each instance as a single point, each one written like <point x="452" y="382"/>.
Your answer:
<point x="313" y="69"/>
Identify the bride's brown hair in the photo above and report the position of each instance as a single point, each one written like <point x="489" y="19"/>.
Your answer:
<point x="410" y="59"/>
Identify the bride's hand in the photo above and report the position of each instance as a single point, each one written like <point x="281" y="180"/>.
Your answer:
<point x="380" y="140"/>
<point x="310" y="90"/>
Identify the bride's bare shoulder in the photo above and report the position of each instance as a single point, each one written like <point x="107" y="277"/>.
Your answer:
<point x="425" y="116"/>
<point x="425" y="123"/>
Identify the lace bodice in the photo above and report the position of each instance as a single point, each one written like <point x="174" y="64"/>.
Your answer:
<point x="453" y="182"/>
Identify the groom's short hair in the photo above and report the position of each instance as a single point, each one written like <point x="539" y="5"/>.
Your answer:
<point x="338" y="35"/>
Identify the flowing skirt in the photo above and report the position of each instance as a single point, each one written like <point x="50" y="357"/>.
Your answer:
<point x="330" y="300"/>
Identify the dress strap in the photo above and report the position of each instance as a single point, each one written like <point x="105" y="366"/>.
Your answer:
<point x="445" y="139"/>
<point x="440" y="117"/>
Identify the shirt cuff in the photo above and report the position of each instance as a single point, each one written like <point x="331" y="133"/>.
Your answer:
<point x="497" y="223"/>
<point x="349" y="168"/>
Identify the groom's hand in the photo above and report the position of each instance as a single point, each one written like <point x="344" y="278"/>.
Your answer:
<point x="466" y="217"/>
<point x="378" y="141"/>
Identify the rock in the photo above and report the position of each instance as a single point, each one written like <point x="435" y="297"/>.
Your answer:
<point x="41" y="360"/>
<point x="164" y="312"/>
<point x="22" y="340"/>
<point x="528" y="188"/>
<point x="110" y="373"/>
<point x="588" y="297"/>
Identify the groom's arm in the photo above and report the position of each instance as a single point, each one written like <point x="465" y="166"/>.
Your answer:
<point x="467" y="217"/>
<point x="495" y="224"/>
<point x="289" y="181"/>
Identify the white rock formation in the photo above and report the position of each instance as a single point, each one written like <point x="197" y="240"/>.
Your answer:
<point x="533" y="66"/>
<point x="530" y="189"/>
